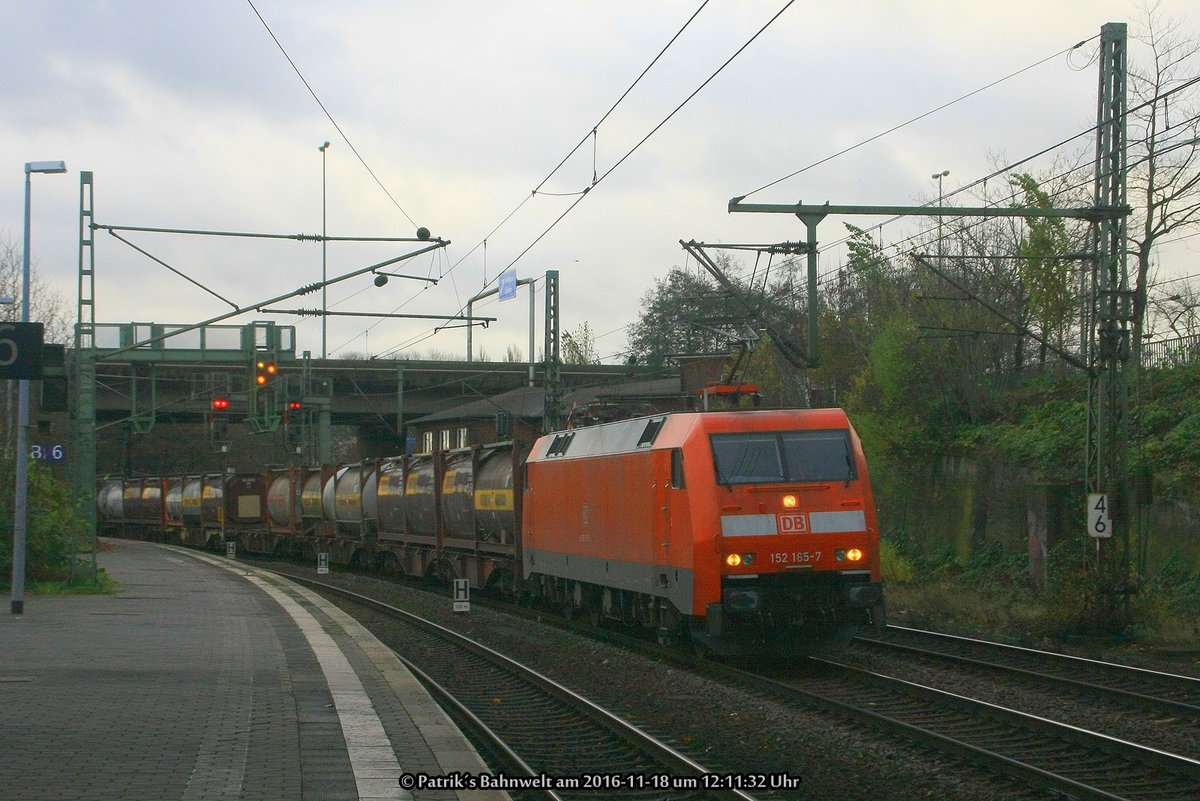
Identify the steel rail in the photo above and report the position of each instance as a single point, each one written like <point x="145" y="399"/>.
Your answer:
<point x="1165" y="704"/>
<point x="1132" y="670"/>
<point x="670" y="758"/>
<point x="1014" y="767"/>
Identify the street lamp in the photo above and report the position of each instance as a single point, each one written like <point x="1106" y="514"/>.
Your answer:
<point x="939" y="176"/>
<point x="20" y="504"/>
<point x="324" y="275"/>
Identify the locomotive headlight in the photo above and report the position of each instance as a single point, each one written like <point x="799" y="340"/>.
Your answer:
<point x="854" y="554"/>
<point x="840" y="554"/>
<point x="733" y="559"/>
<point x="789" y="501"/>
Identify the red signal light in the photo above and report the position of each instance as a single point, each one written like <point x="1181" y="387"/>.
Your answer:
<point x="295" y="405"/>
<point x="220" y="404"/>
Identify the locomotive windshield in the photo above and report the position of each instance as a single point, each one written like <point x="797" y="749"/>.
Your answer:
<point x="765" y="457"/>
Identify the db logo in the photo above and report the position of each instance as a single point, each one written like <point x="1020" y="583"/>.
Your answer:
<point x="793" y="523"/>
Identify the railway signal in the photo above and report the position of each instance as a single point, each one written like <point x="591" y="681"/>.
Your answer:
<point x="265" y="372"/>
<point x="218" y="424"/>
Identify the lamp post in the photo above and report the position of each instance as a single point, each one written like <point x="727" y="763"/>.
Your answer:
<point x="939" y="176"/>
<point x="324" y="275"/>
<point x="20" y="504"/>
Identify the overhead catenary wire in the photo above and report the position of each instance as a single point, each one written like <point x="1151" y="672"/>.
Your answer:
<point x="327" y="113"/>
<point x="637" y="145"/>
<point x="591" y="134"/>
<point x="651" y="133"/>
<point x="932" y="111"/>
<point x="921" y="116"/>
<point x="1008" y="168"/>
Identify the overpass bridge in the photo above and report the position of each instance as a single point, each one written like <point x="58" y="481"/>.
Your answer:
<point x="233" y="378"/>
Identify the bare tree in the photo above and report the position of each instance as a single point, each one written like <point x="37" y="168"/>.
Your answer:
<point x="1164" y="145"/>
<point x="45" y="305"/>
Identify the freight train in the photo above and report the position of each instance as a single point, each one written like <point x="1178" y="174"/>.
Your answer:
<point x="749" y="532"/>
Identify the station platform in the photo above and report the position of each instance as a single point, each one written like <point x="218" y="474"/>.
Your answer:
<point x="203" y="678"/>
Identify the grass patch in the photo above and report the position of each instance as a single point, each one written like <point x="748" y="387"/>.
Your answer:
<point x="992" y="597"/>
<point x="80" y="584"/>
<point x="966" y="607"/>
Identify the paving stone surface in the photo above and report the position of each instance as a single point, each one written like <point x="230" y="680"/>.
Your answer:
<point x="191" y="683"/>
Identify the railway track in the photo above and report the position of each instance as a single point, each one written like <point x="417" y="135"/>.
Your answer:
<point x="1039" y="752"/>
<point x="1043" y="754"/>
<point x="1164" y="693"/>
<point x="540" y="729"/>
<point x="1152" y="708"/>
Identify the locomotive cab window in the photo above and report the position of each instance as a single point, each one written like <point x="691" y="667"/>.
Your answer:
<point x="784" y="456"/>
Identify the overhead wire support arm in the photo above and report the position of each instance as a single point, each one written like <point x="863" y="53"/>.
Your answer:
<point x="1091" y="213"/>
<point x="327" y="313"/>
<point x="182" y="275"/>
<point x="812" y="215"/>
<point x="434" y="244"/>
<point x="432" y="281"/>
<point x="253" y="235"/>
<point x="775" y="248"/>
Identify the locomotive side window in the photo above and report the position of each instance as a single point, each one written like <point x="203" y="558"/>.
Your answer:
<point x="677" y="468"/>
<point x="768" y="457"/>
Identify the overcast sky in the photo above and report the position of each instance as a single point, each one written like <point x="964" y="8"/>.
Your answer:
<point x="190" y="116"/>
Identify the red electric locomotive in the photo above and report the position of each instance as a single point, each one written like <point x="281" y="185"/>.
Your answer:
<point x="752" y="531"/>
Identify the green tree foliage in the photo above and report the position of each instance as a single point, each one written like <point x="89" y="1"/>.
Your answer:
<point x="1044" y="273"/>
<point x="579" y="346"/>
<point x="895" y="400"/>
<point x="1043" y="432"/>
<point x="854" y="308"/>
<point x="53" y="530"/>
<point x="676" y="319"/>
<point x="1170" y="422"/>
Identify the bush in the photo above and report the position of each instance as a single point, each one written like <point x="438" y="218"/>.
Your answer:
<point x="895" y="568"/>
<point x="53" y="530"/>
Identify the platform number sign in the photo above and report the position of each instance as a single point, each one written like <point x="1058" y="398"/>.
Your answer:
<point x="1099" y="523"/>
<point x="322" y="564"/>
<point x="508" y="284"/>
<point x="462" y="595"/>
<point x="21" y="350"/>
<point x="50" y="454"/>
